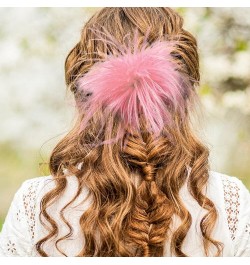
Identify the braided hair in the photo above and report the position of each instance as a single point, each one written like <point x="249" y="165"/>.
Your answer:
<point x="151" y="214"/>
<point x="134" y="187"/>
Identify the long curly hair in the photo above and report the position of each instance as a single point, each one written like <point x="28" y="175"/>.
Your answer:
<point x="134" y="190"/>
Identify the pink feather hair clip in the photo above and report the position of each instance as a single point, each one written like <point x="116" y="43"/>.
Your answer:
<point x="136" y="82"/>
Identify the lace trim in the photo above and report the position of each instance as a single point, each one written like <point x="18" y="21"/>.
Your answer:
<point x="29" y="201"/>
<point x="25" y="214"/>
<point x="232" y="204"/>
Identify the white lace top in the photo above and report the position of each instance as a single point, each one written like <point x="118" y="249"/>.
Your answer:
<point x="22" y="228"/>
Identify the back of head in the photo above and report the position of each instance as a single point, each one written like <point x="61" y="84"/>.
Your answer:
<point x="164" y="23"/>
<point x="135" y="186"/>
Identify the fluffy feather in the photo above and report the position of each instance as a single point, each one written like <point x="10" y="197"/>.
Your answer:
<point x="144" y="82"/>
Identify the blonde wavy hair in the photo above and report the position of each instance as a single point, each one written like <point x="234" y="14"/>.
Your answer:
<point x="135" y="190"/>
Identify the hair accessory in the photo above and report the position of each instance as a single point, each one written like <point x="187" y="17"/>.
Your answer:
<point x="135" y="82"/>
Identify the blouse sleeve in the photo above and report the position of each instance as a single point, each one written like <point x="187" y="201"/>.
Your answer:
<point x="16" y="237"/>
<point x="242" y="235"/>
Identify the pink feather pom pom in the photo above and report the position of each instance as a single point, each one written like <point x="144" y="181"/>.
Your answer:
<point x="144" y="82"/>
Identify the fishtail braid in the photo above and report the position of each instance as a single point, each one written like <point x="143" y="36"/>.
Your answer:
<point x="151" y="215"/>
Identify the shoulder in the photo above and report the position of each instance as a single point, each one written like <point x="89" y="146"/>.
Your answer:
<point x="18" y="231"/>
<point x="33" y="186"/>
<point x="236" y="196"/>
<point x="228" y="186"/>
<point x="28" y="196"/>
<point x="235" y="201"/>
<point x="36" y="181"/>
<point x="215" y="176"/>
<point x="232" y="189"/>
<point x="220" y="186"/>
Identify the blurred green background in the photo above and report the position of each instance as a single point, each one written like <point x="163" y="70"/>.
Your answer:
<point x="36" y="112"/>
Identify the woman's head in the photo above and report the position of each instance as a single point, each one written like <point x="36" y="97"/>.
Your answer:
<point x="135" y="189"/>
<point x="122" y="24"/>
<point x="164" y="23"/>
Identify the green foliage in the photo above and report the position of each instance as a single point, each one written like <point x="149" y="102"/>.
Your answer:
<point x="205" y="90"/>
<point x="24" y="44"/>
<point x="17" y="165"/>
<point x="16" y="162"/>
<point x="241" y="45"/>
<point x="181" y="10"/>
<point x="1" y="224"/>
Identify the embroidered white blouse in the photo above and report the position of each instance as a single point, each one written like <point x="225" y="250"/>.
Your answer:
<point x="22" y="228"/>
